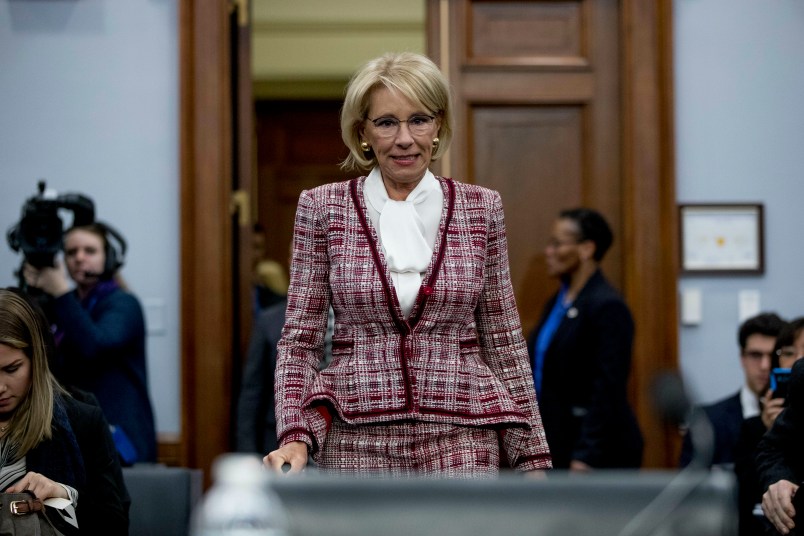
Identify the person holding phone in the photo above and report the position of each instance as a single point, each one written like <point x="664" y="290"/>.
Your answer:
<point x="753" y="428"/>
<point x="757" y="341"/>
<point x="780" y="459"/>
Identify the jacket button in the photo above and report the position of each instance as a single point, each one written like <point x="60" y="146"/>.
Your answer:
<point x="427" y="290"/>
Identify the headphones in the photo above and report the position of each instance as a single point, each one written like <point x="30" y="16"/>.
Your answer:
<point x="115" y="249"/>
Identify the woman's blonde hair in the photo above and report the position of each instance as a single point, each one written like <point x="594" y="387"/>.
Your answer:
<point x="412" y="75"/>
<point x="23" y="327"/>
<point x="272" y="275"/>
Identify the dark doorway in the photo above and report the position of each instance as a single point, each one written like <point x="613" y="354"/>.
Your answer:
<point x="299" y="147"/>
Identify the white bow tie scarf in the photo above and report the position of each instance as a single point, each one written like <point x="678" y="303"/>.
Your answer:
<point x="403" y="235"/>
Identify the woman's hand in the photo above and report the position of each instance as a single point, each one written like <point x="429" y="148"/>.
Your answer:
<point x="51" y="280"/>
<point x="771" y="408"/>
<point x="39" y="485"/>
<point x="536" y="474"/>
<point x="577" y="466"/>
<point x="777" y="503"/>
<point x="294" y="453"/>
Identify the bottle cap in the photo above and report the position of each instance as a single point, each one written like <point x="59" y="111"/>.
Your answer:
<point x="241" y="468"/>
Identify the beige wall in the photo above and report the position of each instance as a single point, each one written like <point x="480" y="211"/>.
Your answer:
<point x="310" y="48"/>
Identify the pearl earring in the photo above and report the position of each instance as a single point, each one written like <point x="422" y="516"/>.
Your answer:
<point x="365" y="146"/>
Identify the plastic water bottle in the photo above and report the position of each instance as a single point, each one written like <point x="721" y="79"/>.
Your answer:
<point x="240" y="501"/>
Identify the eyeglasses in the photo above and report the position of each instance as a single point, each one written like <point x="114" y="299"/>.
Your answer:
<point x="388" y="127"/>
<point x="787" y="351"/>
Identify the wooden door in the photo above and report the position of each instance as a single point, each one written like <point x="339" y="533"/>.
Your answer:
<point x="299" y="147"/>
<point x="545" y="96"/>
<point x="243" y="193"/>
<point x="494" y="83"/>
<point x="216" y="168"/>
<point x="536" y="87"/>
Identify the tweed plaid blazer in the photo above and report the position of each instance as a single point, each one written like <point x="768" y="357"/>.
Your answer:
<point x="460" y="356"/>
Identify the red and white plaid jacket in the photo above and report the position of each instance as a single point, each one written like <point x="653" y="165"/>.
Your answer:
<point x="459" y="357"/>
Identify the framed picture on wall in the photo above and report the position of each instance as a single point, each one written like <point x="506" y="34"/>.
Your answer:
<point x="722" y="238"/>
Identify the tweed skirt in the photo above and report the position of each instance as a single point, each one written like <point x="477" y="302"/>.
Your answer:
<point x="409" y="449"/>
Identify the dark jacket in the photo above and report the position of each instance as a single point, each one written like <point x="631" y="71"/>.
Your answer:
<point x="584" y="403"/>
<point x="256" y="419"/>
<point x="94" y="470"/>
<point x="101" y="349"/>
<point x="726" y="417"/>
<point x="780" y="454"/>
<point x="748" y="491"/>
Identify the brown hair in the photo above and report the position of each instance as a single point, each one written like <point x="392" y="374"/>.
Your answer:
<point x="24" y="327"/>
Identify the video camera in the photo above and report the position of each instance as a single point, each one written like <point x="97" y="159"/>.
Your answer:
<point x="39" y="232"/>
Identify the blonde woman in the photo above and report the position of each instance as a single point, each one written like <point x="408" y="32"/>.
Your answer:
<point x="429" y="371"/>
<point x="51" y="444"/>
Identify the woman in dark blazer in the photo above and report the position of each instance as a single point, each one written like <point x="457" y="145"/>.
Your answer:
<point x="429" y="370"/>
<point x="581" y="353"/>
<point x="51" y="444"/>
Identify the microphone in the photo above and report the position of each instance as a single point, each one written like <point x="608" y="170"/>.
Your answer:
<point x="674" y="408"/>
<point x="670" y="399"/>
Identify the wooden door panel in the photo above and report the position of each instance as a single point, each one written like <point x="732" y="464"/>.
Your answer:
<point x="537" y="119"/>
<point x="298" y="147"/>
<point x="533" y="156"/>
<point x="566" y="103"/>
<point x="530" y="33"/>
<point x="517" y="87"/>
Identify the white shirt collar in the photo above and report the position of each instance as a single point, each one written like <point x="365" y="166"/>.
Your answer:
<point x="376" y="194"/>
<point x="749" y="401"/>
<point x="407" y="231"/>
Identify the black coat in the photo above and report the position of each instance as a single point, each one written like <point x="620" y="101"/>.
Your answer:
<point x="780" y="454"/>
<point x="583" y="404"/>
<point x="748" y="491"/>
<point x="103" y="501"/>
<point x="256" y="419"/>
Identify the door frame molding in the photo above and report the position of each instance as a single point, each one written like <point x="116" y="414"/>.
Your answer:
<point x="650" y="219"/>
<point x="206" y="230"/>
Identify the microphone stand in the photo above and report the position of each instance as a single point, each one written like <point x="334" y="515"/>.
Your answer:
<point x="674" y="405"/>
<point x="651" y="518"/>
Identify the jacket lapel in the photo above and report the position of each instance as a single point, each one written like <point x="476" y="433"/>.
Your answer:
<point x="380" y="263"/>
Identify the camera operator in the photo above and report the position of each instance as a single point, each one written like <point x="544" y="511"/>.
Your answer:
<point x="100" y="334"/>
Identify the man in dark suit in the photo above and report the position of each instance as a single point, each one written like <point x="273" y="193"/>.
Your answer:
<point x="256" y="418"/>
<point x="757" y="339"/>
<point x="256" y="421"/>
<point x="581" y="353"/>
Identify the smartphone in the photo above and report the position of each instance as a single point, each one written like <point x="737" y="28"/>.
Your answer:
<point x="779" y="378"/>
